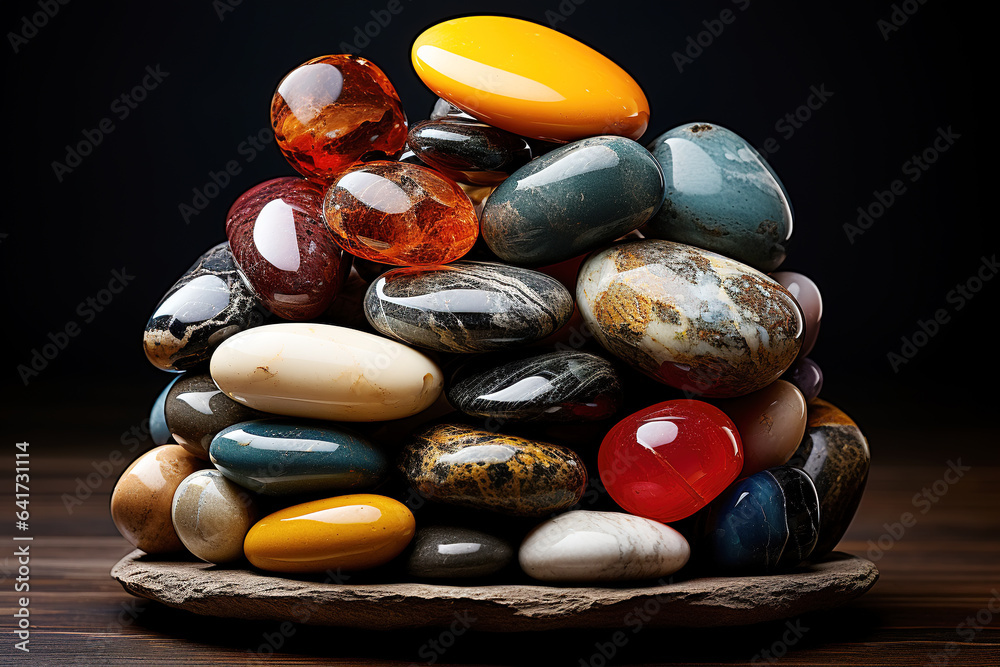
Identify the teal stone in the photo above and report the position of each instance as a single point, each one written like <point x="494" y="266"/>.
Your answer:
<point x="278" y="457"/>
<point x="572" y="200"/>
<point x="721" y="195"/>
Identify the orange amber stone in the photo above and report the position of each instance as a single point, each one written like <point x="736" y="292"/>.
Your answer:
<point x="333" y="111"/>
<point x="399" y="213"/>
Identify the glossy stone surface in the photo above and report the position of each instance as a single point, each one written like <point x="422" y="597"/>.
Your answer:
<point x="353" y="532"/>
<point x="835" y="455"/>
<point x="467" y="306"/>
<point x="320" y="371"/>
<point x="333" y="111"/>
<point x="399" y="213"/>
<point x="807" y="295"/>
<point x="450" y="552"/>
<point x="721" y="195"/>
<point x="528" y="79"/>
<point x="459" y="465"/>
<point x="158" y="429"/>
<point x="572" y="200"/>
<point x="564" y="386"/>
<point x="767" y="522"/>
<point x="669" y="460"/>
<point x="586" y="546"/>
<point x="209" y="303"/>
<point x="282" y="457"/>
<point x="141" y="501"/>
<point x="445" y="109"/>
<point x="807" y="376"/>
<point x="469" y="151"/>
<point x="690" y="318"/>
<point x="212" y="516"/>
<point x="196" y="409"/>
<point x="771" y="422"/>
<point x="283" y="248"/>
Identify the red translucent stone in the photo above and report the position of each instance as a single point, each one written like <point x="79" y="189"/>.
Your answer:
<point x="333" y="111"/>
<point x="669" y="460"/>
<point x="401" y="214"/>
<point x="283" y="249"/>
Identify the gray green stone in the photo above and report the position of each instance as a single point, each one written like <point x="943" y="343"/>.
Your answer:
<point x="572" y="200"/>
<point x="448" y="552"/>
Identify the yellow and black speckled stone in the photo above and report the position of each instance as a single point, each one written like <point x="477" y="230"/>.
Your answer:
<point x="460" y="465"/>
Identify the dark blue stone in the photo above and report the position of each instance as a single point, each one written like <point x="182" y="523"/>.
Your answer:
<point x="158" y="428"/>
<point x="721" y="195"/>
<point x="765" y="523"/>
<point x="282" y="457"/>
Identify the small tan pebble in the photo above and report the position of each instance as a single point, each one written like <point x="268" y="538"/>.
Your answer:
<point x="212" y="516"/>
<point x="141" y="501"/>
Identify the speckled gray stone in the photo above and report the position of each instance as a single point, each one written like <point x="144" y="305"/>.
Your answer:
<point x="451" y="552"/>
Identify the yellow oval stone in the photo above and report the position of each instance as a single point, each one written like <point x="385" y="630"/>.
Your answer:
<point x="529" y="79"/>
<point x="353" y="532"/>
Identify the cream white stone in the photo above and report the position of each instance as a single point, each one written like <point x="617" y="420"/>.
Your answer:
<point x="602" y="546"/>
<point x="322" y="371"/>
<point x="212" y="516"/>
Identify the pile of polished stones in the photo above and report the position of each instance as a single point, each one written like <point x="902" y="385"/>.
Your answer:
<point x="505" y="342"/>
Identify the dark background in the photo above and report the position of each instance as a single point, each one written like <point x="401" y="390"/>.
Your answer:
<point x="120" y="206"/>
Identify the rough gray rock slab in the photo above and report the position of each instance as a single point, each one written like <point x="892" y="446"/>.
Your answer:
<point x="706" y="602"/>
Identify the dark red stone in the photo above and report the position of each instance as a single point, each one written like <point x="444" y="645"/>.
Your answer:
<point x="284" y="249"/>
<point x="669" y="460"/>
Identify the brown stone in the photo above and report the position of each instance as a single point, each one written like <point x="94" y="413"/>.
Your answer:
<point x="707" y="602"/>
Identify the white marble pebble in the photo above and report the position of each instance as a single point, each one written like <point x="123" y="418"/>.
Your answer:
<point x="584" y="546"/>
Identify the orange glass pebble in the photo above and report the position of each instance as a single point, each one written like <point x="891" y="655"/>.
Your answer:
<point x="529" y="79"/>
<point x="333" y="111"/>
<point x="353" y="532"/>
<point x="399" y="213"/>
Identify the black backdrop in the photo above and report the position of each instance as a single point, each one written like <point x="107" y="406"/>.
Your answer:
<point x="894" y="78"/>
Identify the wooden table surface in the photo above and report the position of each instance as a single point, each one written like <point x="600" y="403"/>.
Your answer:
<point x="935" y="574"/>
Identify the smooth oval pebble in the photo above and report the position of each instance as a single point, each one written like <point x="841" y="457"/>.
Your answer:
<point x="835" y="455"/>
<point x="583" y="546"/>
<point x="209" y="303"/>
<point x="469" y="151"/>
<point x="807" y="295"/>
<point x="158" y="429"/>
<point x="572" y="200"/>
<point x="528" y="79"/>
<point x="467" y="306"/>
<point x="807" y="376"/>
<point x="771" y="422"/>
<point x="321" y="371"/>
<point x="281" y="457"/>
<point x="721" y="195"/>
<point x="459" y="465"/>
<point x="212" y="516"/>
<point x="450" y="552"/>
<point x="141" y="501"/>
<point x="354" y="532"/>
<point x="196" y="409"/>
<point x="284" y="249"/>
<point x="561" y="386"/>
<point x="690" y="318"/>
<point x="767" y="522"/>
